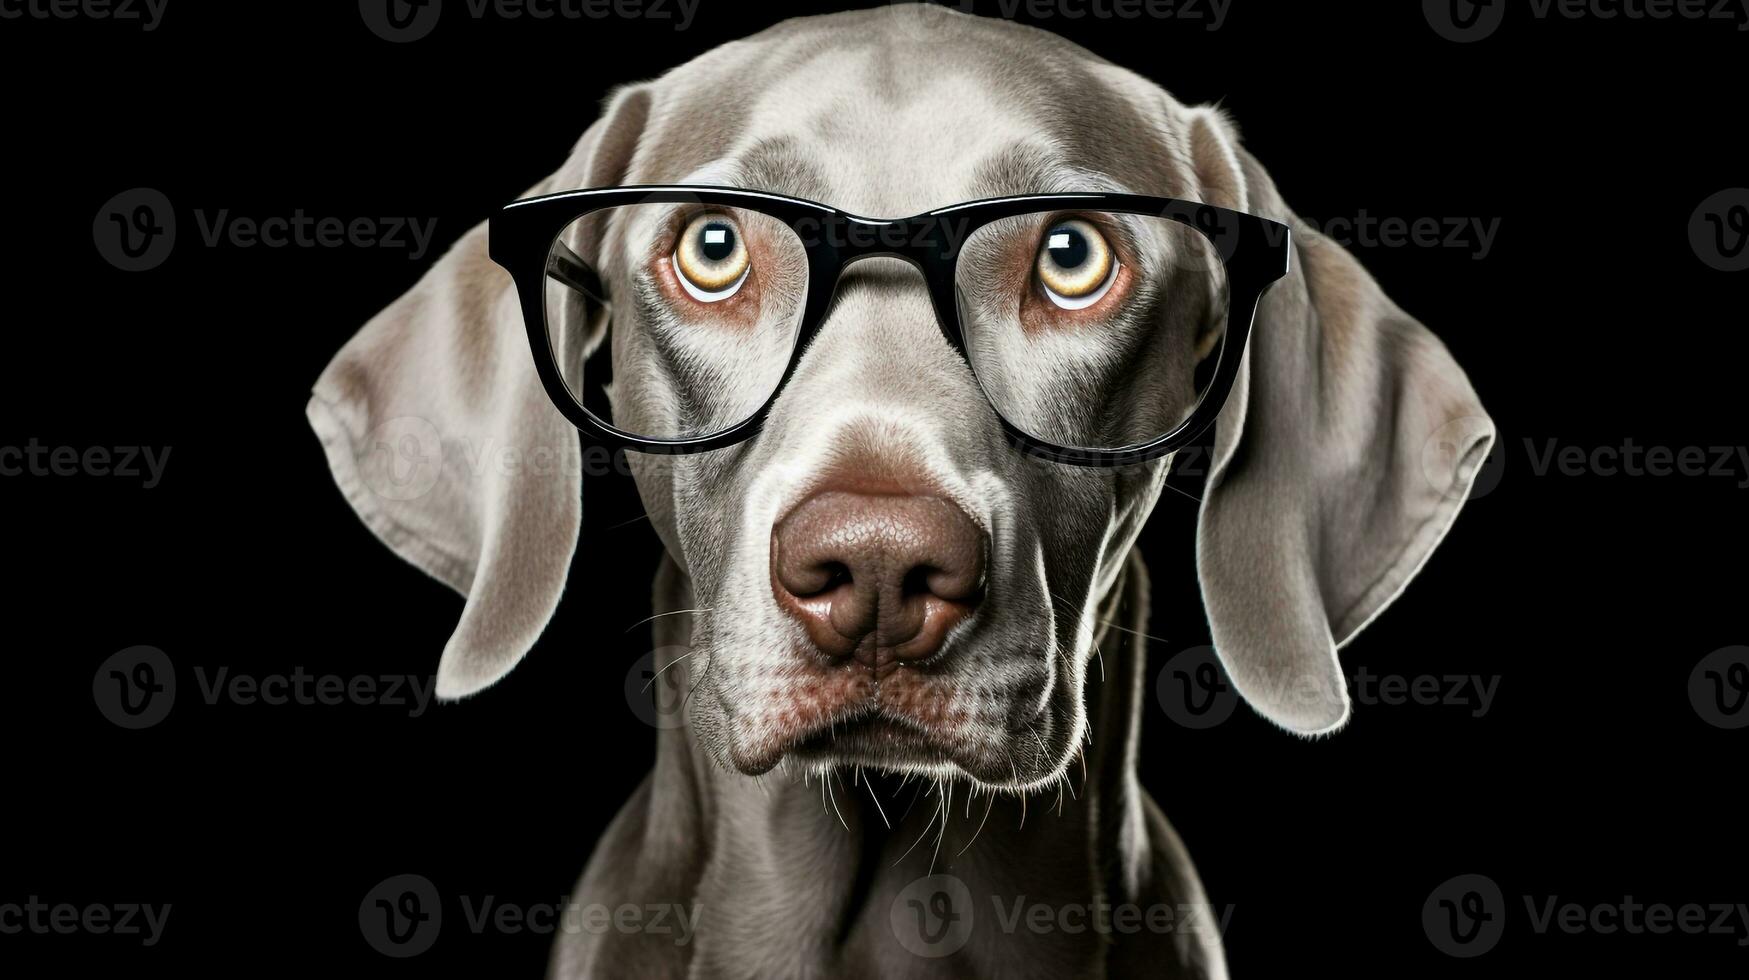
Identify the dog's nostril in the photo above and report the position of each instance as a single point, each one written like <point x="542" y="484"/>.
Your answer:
<point x="808" y="581"/>
<point x="883" y="577"/>
<point x="917" y="581"/>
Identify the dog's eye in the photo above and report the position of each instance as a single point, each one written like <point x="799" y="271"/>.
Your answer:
<point x="711" y="260"/>
<point x="1075" y="265"/>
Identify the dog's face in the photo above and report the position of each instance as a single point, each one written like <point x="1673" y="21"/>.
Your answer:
<point x="887" y="580"/>
<point x="880" y="579"/>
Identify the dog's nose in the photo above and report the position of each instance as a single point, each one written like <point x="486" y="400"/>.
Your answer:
<point x="881" y="577"/>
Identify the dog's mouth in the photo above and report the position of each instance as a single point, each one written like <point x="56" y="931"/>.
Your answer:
<point x="915" y="722"/>
<point x="878" y="742"/>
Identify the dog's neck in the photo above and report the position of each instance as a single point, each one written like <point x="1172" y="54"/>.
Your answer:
<point x="828" y="856"/>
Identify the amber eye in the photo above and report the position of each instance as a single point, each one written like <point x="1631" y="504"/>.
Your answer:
<point x="1075" y="265"/>
<point x="711" y="259"/>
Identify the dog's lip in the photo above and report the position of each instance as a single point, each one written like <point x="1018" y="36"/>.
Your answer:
<point x="875" y="739"/>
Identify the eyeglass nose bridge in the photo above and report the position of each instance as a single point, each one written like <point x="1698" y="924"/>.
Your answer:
<point x="924" y="243"/>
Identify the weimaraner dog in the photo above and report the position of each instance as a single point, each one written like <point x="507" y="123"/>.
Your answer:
<point x="777" y="820"/>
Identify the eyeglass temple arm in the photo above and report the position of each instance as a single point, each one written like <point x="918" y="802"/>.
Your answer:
<point x="569" y="268"/>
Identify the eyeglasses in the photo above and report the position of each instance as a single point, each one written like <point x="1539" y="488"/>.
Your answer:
<point x="1104" y="329"/>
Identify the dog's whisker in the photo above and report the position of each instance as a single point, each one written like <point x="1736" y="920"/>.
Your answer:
<point x="664" y="667"/>
<point x="1126" y="629"/>
<point x="987" y="808"/>
<point x="626" y="523"/>
<point x="1182" y="493"/>
<point x="826" y="783"/>
<point x="919" y="839"/>
<point x="946" y="808"/>
<point x="671" y="612"/>
<point x="877" y="800"/>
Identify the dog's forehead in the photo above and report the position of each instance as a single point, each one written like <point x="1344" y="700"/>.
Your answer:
<point x="888" y="115"/>
<point x="841" y="129"/>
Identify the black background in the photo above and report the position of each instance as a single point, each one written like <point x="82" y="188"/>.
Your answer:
<point x="1589" y="597"/>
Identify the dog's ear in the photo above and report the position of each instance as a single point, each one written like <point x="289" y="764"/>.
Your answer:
<point x="439" y="434"/>
<point x="1342" y="457"/>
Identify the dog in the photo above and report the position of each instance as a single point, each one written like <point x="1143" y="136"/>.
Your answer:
<point x="1339" y="461"/>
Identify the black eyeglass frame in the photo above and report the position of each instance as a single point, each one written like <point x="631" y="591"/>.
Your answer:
<point x="1254" y="251"/>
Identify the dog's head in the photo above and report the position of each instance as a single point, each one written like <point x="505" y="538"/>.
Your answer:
<point x="883" y="578"/>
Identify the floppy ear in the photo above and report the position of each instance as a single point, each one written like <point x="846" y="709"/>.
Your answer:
<point x="439" y="434"/>
<point x="1349" y="442"/>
